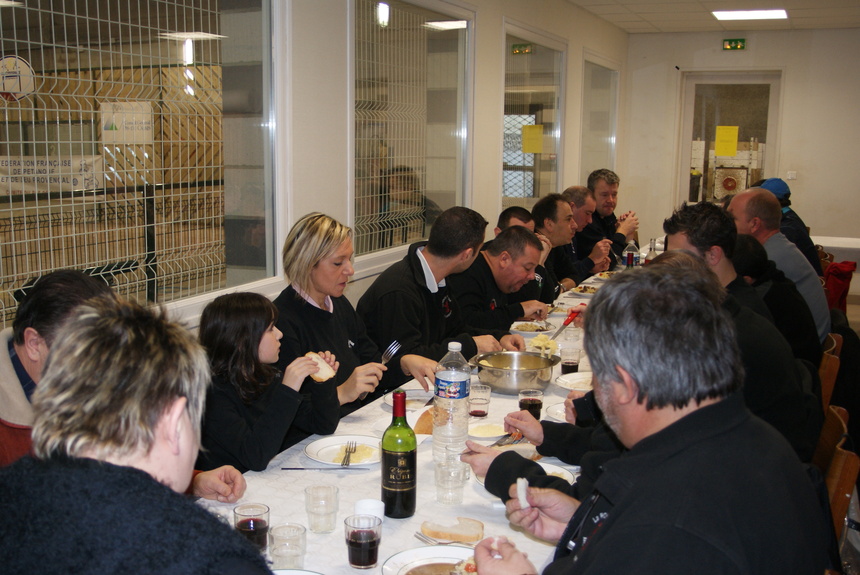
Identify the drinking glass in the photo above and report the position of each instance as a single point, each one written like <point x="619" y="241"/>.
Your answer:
<point x="287" y="546"/>
<point x="363" y="534"/>
<point x="321" y="505"/>
<point x="532" y="400"/>
<point x="570" y="359"/>
<point x="252" y="521"/>
<point x="451" y="477"/>
<point x="479" y="400"/>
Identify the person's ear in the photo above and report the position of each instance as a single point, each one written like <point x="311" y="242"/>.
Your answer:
<point x="748" y="280"/>
<point x="755" y="224"/>
<point x="173" y="425"/>
<point x="626" y="390"/>
<point x="35" y="345"/>
<point x="505" y="259"/>
<point x="497" y="231"/>
<point x="714" y="255"/>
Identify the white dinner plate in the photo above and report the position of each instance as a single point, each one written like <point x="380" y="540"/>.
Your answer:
<point x="582" y="291"/>
<point x="484" y="430"/>
<point x="578" y="381"/>
<point x="556" y="411"/>
<point x="548" y="328"/>
<point x="415" y="398"/>
<point x="557" y="471"/>
<point x="401" y="563"/>
<point x="603" y="276"/>
<point x="325" y="450"/>
<point x="550" y="470"/>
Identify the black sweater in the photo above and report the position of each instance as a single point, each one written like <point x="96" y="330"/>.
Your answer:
<point x="85" y="516"/>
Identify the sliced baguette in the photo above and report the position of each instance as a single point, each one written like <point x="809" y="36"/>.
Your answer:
<point x="325" y="373"/>
<point x="465" y="530"/>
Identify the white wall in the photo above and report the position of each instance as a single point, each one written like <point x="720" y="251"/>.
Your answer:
<point x="316" y="146"/>
<point x="819" y="119"/>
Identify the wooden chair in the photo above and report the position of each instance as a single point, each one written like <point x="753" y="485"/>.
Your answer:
<point x="827" y="371"/>
<point x="826" y="258"/>
<point x="832" y="432"/>
<point x="841" y="466"/>
<point x="833" y="344"/>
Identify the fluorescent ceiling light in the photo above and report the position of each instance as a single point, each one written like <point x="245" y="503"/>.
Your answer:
<point x="446" y="25"/>
<point x="190" y="36"/>
<point x="10" y="3"/>
<point x="383" y="14"/>
<point x="751" y="15"/>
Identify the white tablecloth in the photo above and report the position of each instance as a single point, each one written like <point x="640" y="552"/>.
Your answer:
<point x="283" y="492"/>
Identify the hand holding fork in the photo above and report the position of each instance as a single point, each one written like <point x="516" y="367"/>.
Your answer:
<point x="389" y="352"/>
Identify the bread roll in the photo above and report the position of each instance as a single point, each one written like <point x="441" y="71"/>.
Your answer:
<point x="424" y="425"/>
<point x="465" y="530"/>
<point x="325" y="373"/>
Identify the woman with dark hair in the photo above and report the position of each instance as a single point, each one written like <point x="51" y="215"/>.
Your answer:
<point x="253" y="412"/>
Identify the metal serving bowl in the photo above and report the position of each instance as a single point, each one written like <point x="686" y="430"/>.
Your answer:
<point x="510" y="372"/>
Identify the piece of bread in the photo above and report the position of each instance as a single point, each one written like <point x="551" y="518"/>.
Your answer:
<point x="325" y="373"/>
<point x="424" y="425"/>
<point x="465" y="530"/>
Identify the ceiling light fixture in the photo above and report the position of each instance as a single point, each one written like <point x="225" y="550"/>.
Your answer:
<point x="190" y="36"/>
<point x="446" y="25"/>
<point x="383" y="14"/>
<point x="751" y="15"/>
<point x="10" y="3"/>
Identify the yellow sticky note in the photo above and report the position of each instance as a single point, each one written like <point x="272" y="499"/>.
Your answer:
<point x="726" y="141"/>
<point x="533" y="139"/>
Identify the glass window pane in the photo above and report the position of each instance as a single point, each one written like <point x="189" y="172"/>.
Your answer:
<point x="599" y="105"/>
<point x="532" y="121"/>
<point x="409" y="96"/>
<point x="112" y="155"/>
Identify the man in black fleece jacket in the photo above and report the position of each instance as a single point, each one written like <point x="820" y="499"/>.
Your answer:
<point x="410" y="302"/>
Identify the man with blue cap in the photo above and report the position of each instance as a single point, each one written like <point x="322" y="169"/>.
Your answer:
<point x="791" y="226"/>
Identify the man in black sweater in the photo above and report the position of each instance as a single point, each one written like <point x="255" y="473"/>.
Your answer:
<point x="605" y="225"/>
<point x="502" y="268"/>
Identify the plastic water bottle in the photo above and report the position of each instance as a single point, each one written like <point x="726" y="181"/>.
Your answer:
<point x="451" y="404"/>
<point x="630" y="256"/>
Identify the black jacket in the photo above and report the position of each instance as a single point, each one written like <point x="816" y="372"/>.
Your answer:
<point x="398" y="306"/>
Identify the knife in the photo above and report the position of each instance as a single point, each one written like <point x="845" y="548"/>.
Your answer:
<point x="333" y="468"/>
<point x="573" y="313"/>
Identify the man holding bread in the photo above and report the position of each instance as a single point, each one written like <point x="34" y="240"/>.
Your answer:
<point x="705" y="487"/>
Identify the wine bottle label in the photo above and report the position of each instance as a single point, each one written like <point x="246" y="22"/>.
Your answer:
<point x="398" y="470"/>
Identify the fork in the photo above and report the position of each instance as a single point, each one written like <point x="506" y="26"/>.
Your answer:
<point x="433" y="541"/>
<point x="350" y="449"/>
<point x="389" y="352"/>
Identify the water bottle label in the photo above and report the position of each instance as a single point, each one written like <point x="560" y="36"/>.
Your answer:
<point x="451" y="388"/>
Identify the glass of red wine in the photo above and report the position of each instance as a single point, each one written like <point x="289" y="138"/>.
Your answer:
<point x="363" y="535"/>
<point x="479" y="400"/>
<point x="531" y="400"/>
<point x="252" y="521"/>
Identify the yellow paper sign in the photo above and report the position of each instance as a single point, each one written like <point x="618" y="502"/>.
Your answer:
<point x="726" y="141"/>
<point x="533" y="139"/>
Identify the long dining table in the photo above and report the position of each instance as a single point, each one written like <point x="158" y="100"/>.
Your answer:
<point x="283" y="491"/>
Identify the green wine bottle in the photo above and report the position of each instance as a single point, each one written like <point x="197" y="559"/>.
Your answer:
<point x="399" y="462"/>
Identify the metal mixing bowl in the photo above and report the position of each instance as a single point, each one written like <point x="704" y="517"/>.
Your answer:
<point x="510" y="372"/>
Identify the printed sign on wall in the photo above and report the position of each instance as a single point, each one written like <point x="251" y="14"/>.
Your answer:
<point x="127" y="123"/>
<point x="34" y="174"/>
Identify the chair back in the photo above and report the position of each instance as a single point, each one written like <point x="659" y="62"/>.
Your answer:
<point x="827" y="371"/>
<point x="840" y="466"/>
<point x="833" y="344"/>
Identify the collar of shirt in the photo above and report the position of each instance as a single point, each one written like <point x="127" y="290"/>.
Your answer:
<point x="27" y="383"/>
<point x="429" y="279"/>
<point x="329" y="306"/>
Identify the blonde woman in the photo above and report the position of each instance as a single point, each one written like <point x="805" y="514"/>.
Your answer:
<point x="313" y="314"/>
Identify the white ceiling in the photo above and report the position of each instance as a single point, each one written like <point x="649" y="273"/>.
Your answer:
<point x="648" y="16"/>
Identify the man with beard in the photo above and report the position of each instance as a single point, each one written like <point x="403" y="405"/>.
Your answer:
<point x="703" y="482"/>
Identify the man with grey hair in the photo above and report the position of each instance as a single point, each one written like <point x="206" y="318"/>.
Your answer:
<point x="583" y="205"/>
<point x="757" y="212"/>
<point x="115" y="437"/>
<point x="703" y="482"/>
